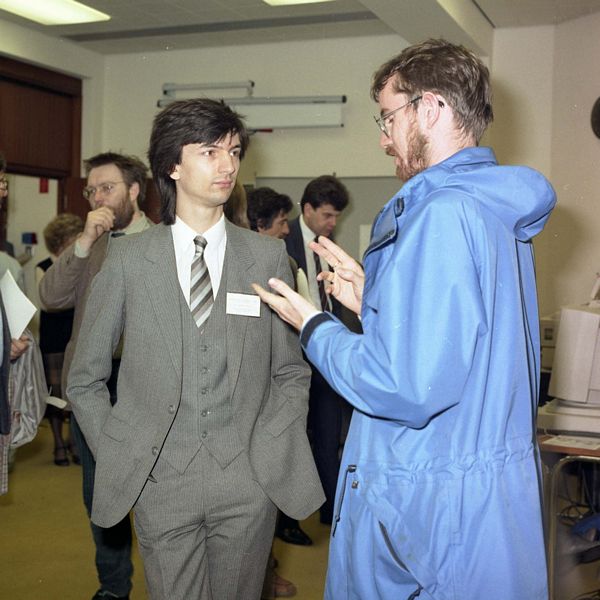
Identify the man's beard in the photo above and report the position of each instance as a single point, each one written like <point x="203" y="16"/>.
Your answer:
<point x="123" y="215"/>
<point x="416" y="156"/>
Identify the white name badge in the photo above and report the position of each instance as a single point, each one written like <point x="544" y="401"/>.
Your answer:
<point x="247" y="305"/>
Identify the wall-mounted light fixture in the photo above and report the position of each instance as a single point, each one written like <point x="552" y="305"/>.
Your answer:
<point x="169" y="89"/>
<point x="270" y="112"/>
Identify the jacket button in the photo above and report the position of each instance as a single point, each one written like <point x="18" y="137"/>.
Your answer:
<point x="204" y="434"/>
<point x="204" y="413"/>
<point x="204" y="370"/>
<point x="204" y="391"/>
<point x="171" y="408"/>
<point x="154" y="450"/>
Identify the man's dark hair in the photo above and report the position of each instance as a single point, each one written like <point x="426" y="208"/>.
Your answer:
<point x="264" y="205"/>
<point x="197" y="121"/>
<point x="447" y="69"/>
<point x="325" y="189"/>
<point x="132" y="169"/>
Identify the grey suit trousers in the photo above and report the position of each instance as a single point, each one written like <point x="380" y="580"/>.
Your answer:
<point x="187" y="529"/>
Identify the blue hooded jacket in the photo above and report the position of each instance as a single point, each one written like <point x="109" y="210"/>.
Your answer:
<point x="444" y="382"/>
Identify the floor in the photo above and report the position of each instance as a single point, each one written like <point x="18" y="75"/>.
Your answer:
<point x="46" y="552"/>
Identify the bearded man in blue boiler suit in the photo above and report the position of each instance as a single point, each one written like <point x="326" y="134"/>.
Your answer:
<point x="439" y="491"/>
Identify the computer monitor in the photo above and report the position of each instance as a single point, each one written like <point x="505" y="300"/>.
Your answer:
<point x="575" y="378"/>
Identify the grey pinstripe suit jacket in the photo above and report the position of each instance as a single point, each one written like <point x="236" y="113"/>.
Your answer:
<point x="137" y="294"/>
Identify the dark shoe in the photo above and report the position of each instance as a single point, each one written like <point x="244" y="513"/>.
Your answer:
<point x="294" y="535"/>
<point x="104" y="595"/>
<point x="60" y="457"/>
<point x="74" y="454"/>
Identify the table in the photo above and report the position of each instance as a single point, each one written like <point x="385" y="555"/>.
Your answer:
<point x="575" y="449"/>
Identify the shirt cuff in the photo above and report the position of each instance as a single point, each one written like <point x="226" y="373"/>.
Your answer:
<point x="310" y="324"/>
<point x="79" y="251"/>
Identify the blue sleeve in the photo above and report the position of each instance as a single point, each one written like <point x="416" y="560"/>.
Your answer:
<point x="423" y="317"/>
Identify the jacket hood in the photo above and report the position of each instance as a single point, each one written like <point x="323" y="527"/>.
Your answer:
<point x="520" y="197"/>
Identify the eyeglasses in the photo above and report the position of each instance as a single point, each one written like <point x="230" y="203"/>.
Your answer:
<point x="384" y="120"/>
<point x="104" y="188"/>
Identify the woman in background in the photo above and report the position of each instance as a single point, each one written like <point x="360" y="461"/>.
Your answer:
<point x="55" y="332"/>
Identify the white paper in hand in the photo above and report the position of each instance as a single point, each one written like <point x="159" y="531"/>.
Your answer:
<point x="58" y="402"/>
<point x="19" y="309"/>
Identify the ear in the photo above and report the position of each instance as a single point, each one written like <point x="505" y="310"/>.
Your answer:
<point x="431" y="109"/>
<point x="134" y="191"/>
<point x="174" y="174"/>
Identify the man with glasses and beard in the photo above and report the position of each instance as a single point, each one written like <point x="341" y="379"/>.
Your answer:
<point x="439" y="494"/>
<point x="115" y="188"/>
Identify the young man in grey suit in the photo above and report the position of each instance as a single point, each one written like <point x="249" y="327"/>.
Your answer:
<point x="116" y="186"/>
<point x="208" y="436"/>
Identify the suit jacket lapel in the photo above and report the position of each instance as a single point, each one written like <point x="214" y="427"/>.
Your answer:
<point x="295" y="244"/>
<point x="238" y="262"/>
<point x="164" y="291"/>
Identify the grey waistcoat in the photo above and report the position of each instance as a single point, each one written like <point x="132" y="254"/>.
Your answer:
<point x="205" y="414"/>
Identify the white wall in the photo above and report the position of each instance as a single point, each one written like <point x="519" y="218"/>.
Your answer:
<point x="522" y="133"/>
<point x="322" y="67"/>
<point x="522" y="77"/>
<point x="546" y="84"/>
<point x="575" y="226"/>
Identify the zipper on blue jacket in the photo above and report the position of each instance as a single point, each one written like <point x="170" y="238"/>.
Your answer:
<point x="338" y="509"/>
<point x="391" y="229"/>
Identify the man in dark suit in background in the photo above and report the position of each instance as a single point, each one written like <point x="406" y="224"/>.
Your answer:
<point x="323" y="200"/>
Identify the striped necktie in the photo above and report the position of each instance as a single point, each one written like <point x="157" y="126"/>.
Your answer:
<point x="322" y="293"/>
<point x="201" y="294"/>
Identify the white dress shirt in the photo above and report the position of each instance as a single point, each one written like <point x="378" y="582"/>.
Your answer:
<point x="308" y="236"/>
<point x="214" y="253"/>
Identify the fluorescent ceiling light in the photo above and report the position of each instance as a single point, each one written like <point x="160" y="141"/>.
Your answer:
<point x="290" y="2"/>
<point x="53" y="12"/>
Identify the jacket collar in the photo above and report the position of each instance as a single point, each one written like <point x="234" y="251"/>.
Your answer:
<point x="385" y="226"/>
